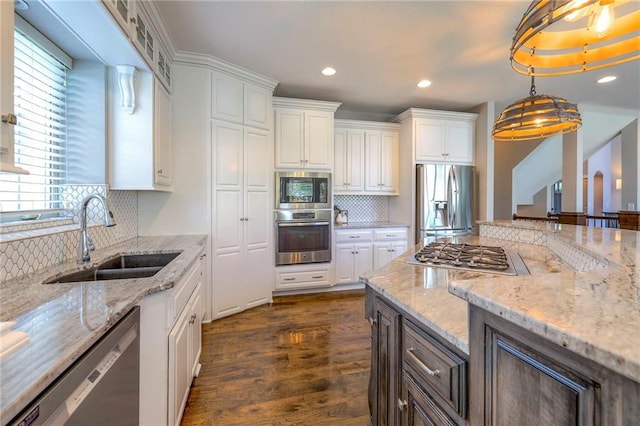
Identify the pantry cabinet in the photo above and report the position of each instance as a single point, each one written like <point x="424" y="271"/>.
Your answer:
<point x="140" y="143"/>
<point x="366" y="158"/>
<point x="237" y="101"/>
<point x="304" y="133"/>
<point x="242" y="204"/>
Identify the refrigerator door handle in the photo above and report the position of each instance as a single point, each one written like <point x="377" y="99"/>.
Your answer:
<point x="452" y="196"/>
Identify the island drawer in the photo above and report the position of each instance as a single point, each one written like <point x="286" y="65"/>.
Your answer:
<point x="435" y="367"/>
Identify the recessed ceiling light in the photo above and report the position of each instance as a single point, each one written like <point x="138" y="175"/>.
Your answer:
<point x="606" y="79"/>
<point x="328" y="71"/>
<point x="424" y="83"/>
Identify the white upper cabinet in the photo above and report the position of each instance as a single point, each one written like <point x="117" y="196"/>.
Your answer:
<point x="366" y="157"/>
<point x="163" y="128"/>
<point x="6" y="90"/>
<point x="446" y="137"/>
<point x="121" y="12"/>
<point x="240" y="102"/>
<point x="304" y="133"/>
<point x="163" y="69"/>
<point x="143" y="35"/>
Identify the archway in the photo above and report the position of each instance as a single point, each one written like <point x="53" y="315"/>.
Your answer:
<point x="598" y="197"/>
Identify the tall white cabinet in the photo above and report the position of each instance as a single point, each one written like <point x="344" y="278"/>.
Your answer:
<point x="242" y="196"/>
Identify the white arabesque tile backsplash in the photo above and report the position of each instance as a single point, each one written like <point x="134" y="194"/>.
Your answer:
<point x="31" y="247"/>
<point x="364" y="208"/>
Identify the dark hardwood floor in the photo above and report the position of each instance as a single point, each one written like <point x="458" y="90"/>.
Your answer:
<point x="302" y="361"/>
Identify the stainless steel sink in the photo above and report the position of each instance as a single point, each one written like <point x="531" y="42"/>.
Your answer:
<point x="124" y="266"/>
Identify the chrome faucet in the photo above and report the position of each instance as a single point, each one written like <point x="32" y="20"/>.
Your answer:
<point x="86" y="244"/>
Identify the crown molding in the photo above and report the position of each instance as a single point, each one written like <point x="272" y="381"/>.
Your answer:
<point x="365" y="125"/>
<point x="217" y="64"/>
<point x="434" y="113"/>
<point x="305" y="103"/>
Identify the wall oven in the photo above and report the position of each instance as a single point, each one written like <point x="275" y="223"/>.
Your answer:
<point x="303" y="236"/>
<point x="303" y="190"/>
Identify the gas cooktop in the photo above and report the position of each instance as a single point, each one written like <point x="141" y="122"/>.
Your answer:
<point x="470" y="257"/>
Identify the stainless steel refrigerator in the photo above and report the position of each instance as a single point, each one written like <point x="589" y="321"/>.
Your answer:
<point x="444" y="200"/>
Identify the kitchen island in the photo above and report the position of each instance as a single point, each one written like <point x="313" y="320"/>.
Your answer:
<point x="582" y="294"/>
<point x="64" y="320"/>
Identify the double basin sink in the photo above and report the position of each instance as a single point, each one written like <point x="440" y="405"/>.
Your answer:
<point x="124" y="266"/>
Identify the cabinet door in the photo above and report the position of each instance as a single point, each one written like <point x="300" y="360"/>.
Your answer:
<point x="459" y="142"/>
<point x="144" y="38"/>
<point x="318" y="139"/>
<point x="429" y="140"/>
<point x="524" y="387"/>
<point x="344" y="264"/>
<point x="226" y="98"/>
<point x="289" y="135"/>
<point x="385" y="368"/>
<point x="363" y="261"/>
<point x="257" y="106"/>
<point x="340" y="168"/>
<point x="195" y="331"/>
<point x="418" y="408"/>
<point x="381" y="255"/>
<point x="179" y="367"/>
<point x="373" y="149"/>
<point x="355" y="160"/>
<point x="397" y="248"/>
<point x="389" y="153"/>
<point x="163" y="140"/>
<point x="163" y="69"/>
<point x="120" y="10"/>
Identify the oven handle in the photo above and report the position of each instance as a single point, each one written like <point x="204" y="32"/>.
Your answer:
<point x="287" y="224"/>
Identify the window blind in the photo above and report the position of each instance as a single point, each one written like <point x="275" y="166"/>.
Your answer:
<point x="40" y="135"/>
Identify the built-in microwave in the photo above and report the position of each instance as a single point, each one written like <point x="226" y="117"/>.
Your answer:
<point x="303" y="190"/>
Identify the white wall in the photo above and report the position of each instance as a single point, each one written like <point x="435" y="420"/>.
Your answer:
<point x="600" y="161"/>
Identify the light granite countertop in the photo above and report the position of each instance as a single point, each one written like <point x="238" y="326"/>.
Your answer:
<point x="583" y="292"/>
<point x="422" y="291"/>
<point x="52" y="314"/>
<point x="361" y="225"/>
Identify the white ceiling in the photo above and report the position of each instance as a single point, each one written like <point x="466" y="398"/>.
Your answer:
<point x="381" y="50"/>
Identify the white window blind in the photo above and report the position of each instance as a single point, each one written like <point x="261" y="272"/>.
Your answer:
<point x="40" y="135"/>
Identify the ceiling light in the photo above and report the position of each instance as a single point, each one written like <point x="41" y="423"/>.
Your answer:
<point x="553" y="39"/>
<point x="606" y="79"/>
<point x="536" y="117"/>
<point x="328" y="71"/>
<point x="424" y="83"/>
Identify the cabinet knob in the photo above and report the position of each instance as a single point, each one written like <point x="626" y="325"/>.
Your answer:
<point x="402" y="404"/>
<point x="192" y="319"/>
<point x="159" y="171"/>
<point x="372" y="321"/>
<point x="132" y="20"/>
<point x="10" y="119"/>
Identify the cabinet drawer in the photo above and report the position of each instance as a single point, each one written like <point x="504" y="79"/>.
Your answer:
<point x="311" y="278"/>
<point x="435" y="367"/>
<point x="181" y="293"/>
<point x="389" y="234"/>
<point x="355" y="236"/>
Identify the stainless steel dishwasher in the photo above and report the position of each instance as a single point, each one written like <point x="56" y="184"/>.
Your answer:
<point x="101" y="388"/>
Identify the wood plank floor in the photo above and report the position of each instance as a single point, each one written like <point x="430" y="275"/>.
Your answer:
<point x="302" y="361"/>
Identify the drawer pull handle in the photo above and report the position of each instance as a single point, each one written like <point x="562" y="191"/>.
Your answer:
<point x="430" y="372"/>
<point x="289" y="279"/>
<point x="317" y="277"/>
<point x="390" y="235"/>
<point x="402" y="404"/>
<point x="354" y="236"/>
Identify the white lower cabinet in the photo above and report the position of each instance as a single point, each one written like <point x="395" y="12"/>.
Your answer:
<point x="170" y="347"/>
<point x="353" y="254"/>
<point x="389" y="243"/>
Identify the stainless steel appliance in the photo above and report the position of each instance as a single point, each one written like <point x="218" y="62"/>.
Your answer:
<point x="470" y="257"/>
<point x="303" y="190"/>
<point x="303" y="236"/>
<point x="101" y="388"/>
<point x="444" y="200"/>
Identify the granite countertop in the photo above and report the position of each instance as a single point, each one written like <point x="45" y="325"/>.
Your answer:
<point x="361" y="225"/>
<point x="422" y="291"/>
<point x="64" y="320"/>
<point x="594" y="313"/>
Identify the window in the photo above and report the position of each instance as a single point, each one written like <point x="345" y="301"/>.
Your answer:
<point x="40" y="135"/>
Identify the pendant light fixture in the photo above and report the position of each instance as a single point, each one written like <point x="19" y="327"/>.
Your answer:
<point x="560" y="37"/>
<point x="536" y="117"/>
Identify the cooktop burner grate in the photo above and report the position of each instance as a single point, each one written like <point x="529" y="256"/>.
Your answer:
<point x="467" y="257"/>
